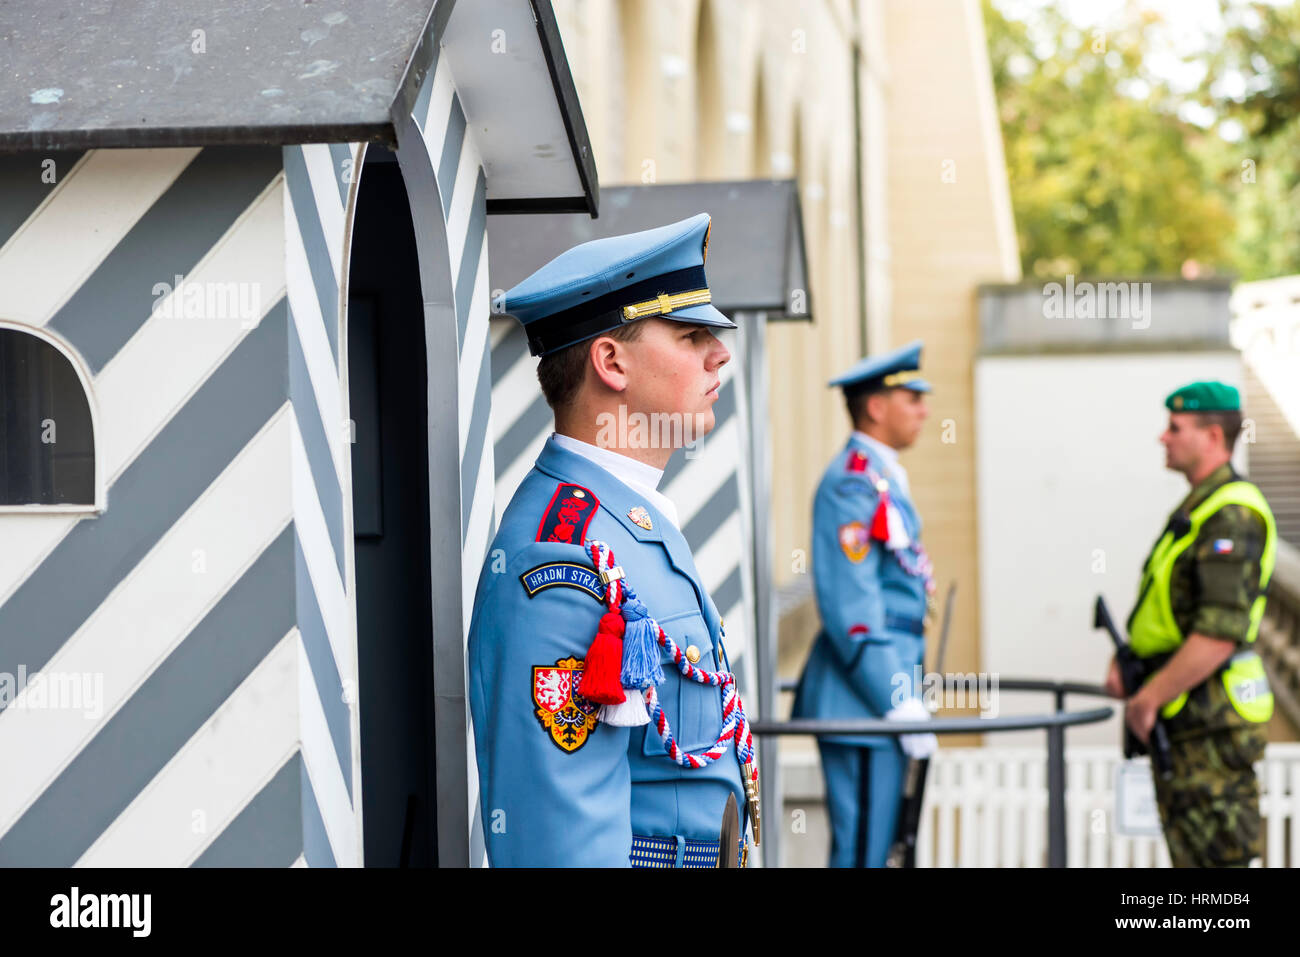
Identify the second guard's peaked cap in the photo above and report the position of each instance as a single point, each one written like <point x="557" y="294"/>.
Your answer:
<point x="898" y="368"/>
<point x="606" y="283"/>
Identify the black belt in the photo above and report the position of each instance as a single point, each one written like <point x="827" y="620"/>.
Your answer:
<point x="912" y="626"/>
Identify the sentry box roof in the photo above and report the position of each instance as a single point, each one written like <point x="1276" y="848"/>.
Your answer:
<point x="159" y="73"/>
<point x="756" y="248"/>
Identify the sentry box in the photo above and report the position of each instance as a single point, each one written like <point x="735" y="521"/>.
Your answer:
<point x="246" y="476"/>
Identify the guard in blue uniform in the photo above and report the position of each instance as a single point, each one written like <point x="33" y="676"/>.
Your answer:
<point x="874" y="584"/>
<point x="606" y="725"/>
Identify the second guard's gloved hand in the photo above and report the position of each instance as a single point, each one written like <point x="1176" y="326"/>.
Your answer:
<point x="917" y="746"/>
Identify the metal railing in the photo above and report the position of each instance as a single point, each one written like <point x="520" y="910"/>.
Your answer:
<point x="1053" y="724"/>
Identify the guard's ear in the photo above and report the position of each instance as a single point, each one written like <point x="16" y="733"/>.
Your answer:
<point x="876" y="404"/>
<point x="608" y="359"/>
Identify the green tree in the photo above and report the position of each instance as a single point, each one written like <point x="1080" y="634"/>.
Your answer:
<point x="1106" y="179"/>
<point x="1254" y="81"/>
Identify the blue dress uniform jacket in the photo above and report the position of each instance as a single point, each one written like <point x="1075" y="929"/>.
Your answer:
<point x="558" y="787"/>
<point x="871" y="608"/>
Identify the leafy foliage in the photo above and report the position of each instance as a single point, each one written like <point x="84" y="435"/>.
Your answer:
<point x="1106" y="178"/>
<point x="1254" y="81"/>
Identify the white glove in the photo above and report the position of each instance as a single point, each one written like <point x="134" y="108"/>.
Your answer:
<point x="917" y="746"/>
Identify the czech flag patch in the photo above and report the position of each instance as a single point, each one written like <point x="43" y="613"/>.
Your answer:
<point x="1222" y="546"/>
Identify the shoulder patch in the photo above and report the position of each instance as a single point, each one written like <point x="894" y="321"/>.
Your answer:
<point x="563" y="575"/>
<point x="855" y="541"/>
<point x="857" y="462"/>
<point x="559" y="707"/>
<point x="568" y="515"/>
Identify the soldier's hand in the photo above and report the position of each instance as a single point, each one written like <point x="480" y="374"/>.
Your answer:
<point x="919" y="746"/>
<point x="1140" y="716"/>
<point x="1114" y="683"/>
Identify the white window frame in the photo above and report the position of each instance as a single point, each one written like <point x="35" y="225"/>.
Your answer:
<point x="84" y="377"/>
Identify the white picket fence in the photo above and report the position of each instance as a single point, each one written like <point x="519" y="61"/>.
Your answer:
<point x="987" y="807"/>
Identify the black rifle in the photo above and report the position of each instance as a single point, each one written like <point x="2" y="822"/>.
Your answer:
<point x="902" y="853"/>
<point x="1132" y="673"/>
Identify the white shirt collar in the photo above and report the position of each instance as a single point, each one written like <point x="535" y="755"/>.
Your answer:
<point x="889" y="459"/>
<point x="886" y="452"/>
<point x="638" y="476"/>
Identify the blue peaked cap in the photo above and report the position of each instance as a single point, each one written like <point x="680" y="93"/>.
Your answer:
<point x="605" y="283"/>
<point x="896" y="368"/>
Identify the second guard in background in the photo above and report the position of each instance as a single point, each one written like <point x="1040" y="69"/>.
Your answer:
<point x="873" y="585"/>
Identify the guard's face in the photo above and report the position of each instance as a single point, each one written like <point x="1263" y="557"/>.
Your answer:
<point x="903" y="413"/>
<point x="1186" y="443"/>
<point x="674" y="368"/>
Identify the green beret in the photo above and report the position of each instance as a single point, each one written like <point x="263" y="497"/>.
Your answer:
<point x="1204" y="397"/>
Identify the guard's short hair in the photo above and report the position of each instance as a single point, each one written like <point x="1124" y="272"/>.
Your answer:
<point x="560" y="373"/>
<point x="856" y="402"/>
<point x="1228" y="419"/>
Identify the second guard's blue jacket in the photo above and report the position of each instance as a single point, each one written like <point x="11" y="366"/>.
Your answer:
<point x="871" y="607"/>
<point x="558" y="787"/>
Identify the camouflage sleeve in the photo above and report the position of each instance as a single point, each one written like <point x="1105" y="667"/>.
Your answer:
<point x="1227" y="555"/>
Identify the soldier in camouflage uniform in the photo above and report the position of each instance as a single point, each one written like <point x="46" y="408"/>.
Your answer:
<point x="1195" y="622"/>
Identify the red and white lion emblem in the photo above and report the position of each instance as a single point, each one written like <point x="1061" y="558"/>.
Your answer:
<point x="561" y="710"/>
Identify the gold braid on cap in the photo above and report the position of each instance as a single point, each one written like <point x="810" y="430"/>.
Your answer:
<point x="665" y="303"/>
<point x="898" y="378"/>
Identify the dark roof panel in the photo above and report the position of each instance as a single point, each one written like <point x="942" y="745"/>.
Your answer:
<point x="756" y="248"/>
<point x="162" y="72"/>
<point x="83" y="74"/>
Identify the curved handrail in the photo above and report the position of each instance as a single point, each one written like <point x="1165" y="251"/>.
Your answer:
<point x="1054" y="724"/>
<point x="1008" y="684"/>
<point x="1028" y="722"/>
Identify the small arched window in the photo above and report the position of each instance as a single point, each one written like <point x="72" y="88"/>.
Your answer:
<point x="47" y="435"/>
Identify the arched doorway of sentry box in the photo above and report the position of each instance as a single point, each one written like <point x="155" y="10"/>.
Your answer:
<point x="472" y="137"/>
<point x="387" y="386"/>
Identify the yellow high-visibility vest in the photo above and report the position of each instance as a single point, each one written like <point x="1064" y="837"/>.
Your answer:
<point x="1153" y="630"/>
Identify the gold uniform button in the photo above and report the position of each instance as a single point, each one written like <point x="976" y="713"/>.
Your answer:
<point x="692" y="654"/>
